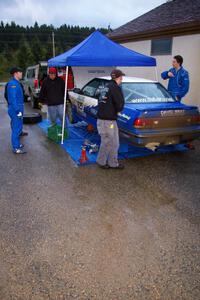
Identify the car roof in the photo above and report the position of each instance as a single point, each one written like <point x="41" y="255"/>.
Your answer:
<point x="130" y="79"/>
<point x="40" y="64"/>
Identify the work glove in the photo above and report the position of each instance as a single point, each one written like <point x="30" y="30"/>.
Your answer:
<point x="40" y="105"/>
<point x="20" y="115"/>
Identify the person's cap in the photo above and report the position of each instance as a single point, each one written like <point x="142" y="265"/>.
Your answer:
<point x="116" y="73"/>
<point x="15" y="70"/>
<point x="52" y="70"/>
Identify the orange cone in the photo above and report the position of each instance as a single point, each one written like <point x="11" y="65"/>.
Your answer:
<point x="90" y="128"/>
<point x="83" y="159"/>
<point x="190" y="146"/>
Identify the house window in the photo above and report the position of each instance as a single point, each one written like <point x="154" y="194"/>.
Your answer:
<point x="161" y="46"/>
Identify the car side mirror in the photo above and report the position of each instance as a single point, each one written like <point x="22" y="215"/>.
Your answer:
<point x="77" y="90"/>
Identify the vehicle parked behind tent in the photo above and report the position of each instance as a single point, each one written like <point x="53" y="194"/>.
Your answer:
<point x="32" y="81"/>
<point x="77" y="77"/>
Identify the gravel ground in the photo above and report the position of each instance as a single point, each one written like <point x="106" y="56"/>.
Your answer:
<point x="86" y="233"/>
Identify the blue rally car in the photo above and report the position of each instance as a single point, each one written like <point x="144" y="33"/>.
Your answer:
<point x="150" y="118"/>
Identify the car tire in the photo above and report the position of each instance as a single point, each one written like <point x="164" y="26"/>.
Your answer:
<point x="69" y="111"/>
<point x="32" y="118"/>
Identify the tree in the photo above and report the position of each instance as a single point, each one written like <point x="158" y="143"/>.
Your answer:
<point x="24" y="54"/>
<point x="4" y="67"/>
<point x="38" y="50"/>
<point x="28" y="45"/>
<point x="49" y="48"/>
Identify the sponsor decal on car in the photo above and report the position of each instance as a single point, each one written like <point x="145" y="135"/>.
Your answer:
<point x="176" y="112"/>
<point x="93" y="111"/>
<point x="80" y="98"/>
<point x="124" y="116"/>
<point x="151" y="100"/>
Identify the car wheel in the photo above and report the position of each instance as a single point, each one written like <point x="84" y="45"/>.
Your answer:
<point x="69" y="112"/>
<point x="32" y="118"/>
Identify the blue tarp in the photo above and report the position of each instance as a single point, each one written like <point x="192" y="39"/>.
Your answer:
<point x="77" y="135"/>
<point x="98" y="50"/>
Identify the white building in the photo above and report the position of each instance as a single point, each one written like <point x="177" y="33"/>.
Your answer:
<point x="170" y="29"/>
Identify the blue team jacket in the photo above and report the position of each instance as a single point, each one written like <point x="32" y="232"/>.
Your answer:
<point x="15" y="96"/>
<point x="178" y="85"/>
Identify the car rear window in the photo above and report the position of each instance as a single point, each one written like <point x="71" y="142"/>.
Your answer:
<point x="145" y="92"/>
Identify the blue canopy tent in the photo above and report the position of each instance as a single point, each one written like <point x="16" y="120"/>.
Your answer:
<point x="99" y="50"/>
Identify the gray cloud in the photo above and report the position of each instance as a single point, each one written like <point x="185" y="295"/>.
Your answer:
<point x="84" y="13"/>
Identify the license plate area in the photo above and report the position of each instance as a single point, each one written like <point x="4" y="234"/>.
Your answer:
<point x="172" y="140"/>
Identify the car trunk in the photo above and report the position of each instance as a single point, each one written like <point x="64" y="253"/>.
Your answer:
<point x="171" y="116"/>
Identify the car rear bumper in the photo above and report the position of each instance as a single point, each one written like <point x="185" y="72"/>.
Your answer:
<point x="167" y="137"/>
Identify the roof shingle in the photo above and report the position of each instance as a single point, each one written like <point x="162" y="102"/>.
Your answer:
<point x="172" y="14"/>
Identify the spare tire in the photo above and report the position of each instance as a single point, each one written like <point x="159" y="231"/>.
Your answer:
<point x="32" y="118"/>
<point x="69" y="112"/>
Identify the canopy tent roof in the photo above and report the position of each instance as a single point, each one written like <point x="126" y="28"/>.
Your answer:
<point x="98" y="50"/>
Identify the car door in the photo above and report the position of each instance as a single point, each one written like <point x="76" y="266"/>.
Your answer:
<point x="87" y="99"/>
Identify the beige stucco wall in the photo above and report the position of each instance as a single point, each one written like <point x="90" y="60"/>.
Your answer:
<point x="189" y="47"/>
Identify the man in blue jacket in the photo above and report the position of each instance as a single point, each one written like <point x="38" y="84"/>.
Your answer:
<point x="178" y="85"/>
<point x="16" y="109"/>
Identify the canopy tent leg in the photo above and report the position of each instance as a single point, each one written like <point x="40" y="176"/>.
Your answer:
<point x="156" y="73"/>
<point x="64" y="109"/>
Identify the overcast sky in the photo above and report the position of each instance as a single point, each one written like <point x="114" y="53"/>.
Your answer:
<point x="97" y="13"/>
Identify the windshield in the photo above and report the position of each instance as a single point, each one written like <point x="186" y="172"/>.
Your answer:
<point x="145" y="92"/>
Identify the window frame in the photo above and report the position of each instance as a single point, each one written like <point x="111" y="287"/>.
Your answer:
<point x="94" y="79"/>
<point x="158" y="52"/>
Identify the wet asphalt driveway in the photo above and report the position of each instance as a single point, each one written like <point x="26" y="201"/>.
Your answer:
<point x="86" y="233"/>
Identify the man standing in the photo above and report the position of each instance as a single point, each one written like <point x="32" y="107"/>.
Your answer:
<point x="23" y="133"/>
<point x="16" y="108"/>
<point x="178" y="79"/>
<point x="111" y="102"/>
<point x="52" y="94"/>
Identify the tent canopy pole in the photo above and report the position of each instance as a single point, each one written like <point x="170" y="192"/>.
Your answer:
<point x="65" y="102"/>
<point x="156" y="72"/>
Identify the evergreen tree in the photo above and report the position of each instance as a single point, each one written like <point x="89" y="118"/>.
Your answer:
<point x="24" y="54"/>
<point x="38" y="50"/>
<point x="4" y="69"/>
<point x="49" y="49"/>
<point x="28" y="45"/>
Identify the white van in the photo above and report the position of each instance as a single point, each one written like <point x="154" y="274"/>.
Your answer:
<point x="32" y="81"/>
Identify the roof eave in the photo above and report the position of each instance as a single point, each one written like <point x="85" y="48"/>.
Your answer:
<point x="182" y="29"/>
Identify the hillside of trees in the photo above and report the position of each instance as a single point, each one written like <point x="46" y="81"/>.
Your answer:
<point x="24" y="46"/>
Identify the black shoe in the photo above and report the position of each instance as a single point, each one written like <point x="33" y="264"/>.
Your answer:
<point x="103" y="166"/>
<point x="119" y="167"/>
<point x="23" y="133"/>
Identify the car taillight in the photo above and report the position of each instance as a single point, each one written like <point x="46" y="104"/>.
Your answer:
<point x="141" y="123"/>
<point x="36" y="83"/>
<point x="196" y="119"/>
